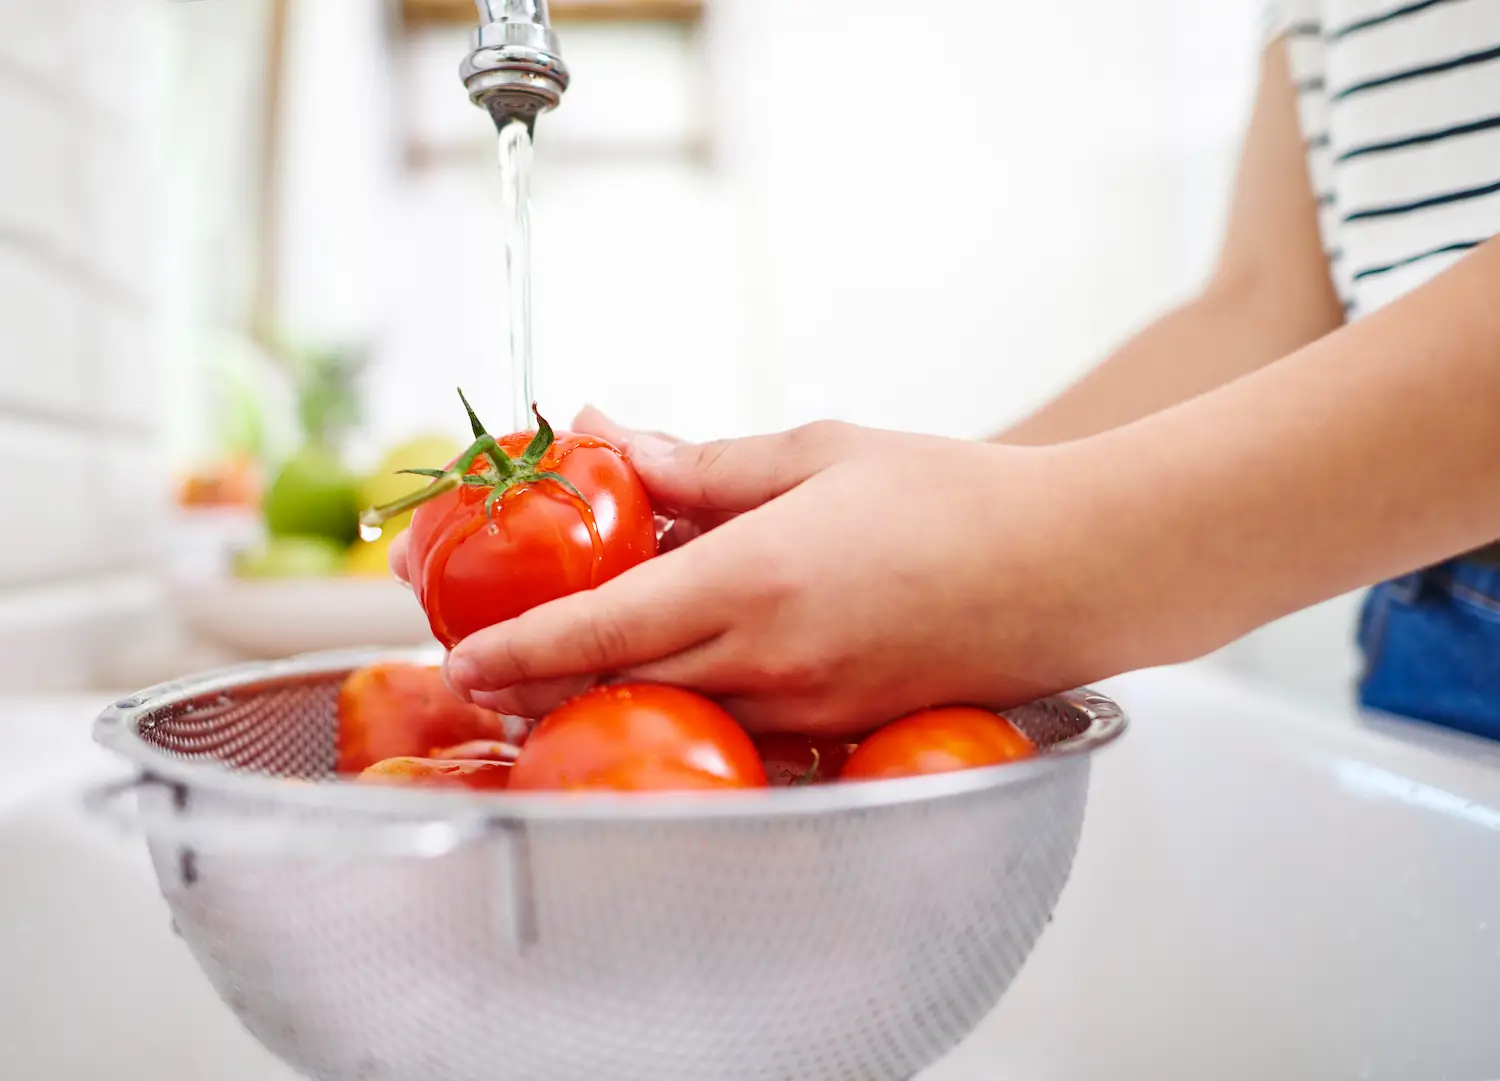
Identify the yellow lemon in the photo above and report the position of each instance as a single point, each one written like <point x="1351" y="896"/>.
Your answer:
<point x="387" y="483"/>
<point x="370" y="559"/>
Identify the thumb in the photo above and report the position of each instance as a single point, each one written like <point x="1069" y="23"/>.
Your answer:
<point x="732" y="476"/>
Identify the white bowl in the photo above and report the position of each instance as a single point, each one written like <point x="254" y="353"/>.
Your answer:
<point x="266" y="619"/>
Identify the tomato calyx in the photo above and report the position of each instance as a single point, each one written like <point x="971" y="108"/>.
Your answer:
<point x="499" y="472"/>
<point x="811" y="776"/>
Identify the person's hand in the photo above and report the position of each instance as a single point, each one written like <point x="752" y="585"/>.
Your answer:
<point x="845" y="576"/>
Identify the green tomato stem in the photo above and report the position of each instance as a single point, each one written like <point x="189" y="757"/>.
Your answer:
<point x="376" y="517"/>
<point x="503" y="475"/>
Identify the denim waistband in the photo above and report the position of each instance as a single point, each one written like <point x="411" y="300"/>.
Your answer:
<point x="1489" y="555"/>
<point x="1477" y="578"/>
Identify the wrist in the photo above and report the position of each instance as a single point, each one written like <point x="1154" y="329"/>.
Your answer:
<point x="1132" y="534"/>
<point x="1083" y="589"/>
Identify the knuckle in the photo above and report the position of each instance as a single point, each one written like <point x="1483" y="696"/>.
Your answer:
<point x="820" y="436"/>
<point x="517" y="664"/>
<point x="604" y="641"/>
<point x="714" y="459"/>
<point x="789" y="671"/>
<point x="705" y="471"/>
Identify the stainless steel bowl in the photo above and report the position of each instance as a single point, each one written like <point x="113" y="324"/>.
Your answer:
<point x="837" y="933"/>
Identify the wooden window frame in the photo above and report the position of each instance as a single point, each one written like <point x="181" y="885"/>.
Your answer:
<point x="455" y="12"/>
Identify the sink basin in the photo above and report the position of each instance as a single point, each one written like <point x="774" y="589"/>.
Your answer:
<point x="94" y="986"/>
<point x="94" y="983"/>
<point x="1260" y="892"/>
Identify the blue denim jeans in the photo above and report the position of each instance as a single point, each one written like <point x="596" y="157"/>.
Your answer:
<point x="1431" y="643"/>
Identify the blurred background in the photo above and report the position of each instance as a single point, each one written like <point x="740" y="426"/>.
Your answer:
<point x="249" y="247"/>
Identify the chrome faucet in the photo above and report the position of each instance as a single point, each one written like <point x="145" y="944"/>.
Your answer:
<point x="515" y="70"/>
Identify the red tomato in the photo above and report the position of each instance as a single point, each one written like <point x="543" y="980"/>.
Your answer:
<point x="938" y="741"/>
<point x="548" y="515"/>
<point x="797" y="760"/>
<point x="657" y="775"/>
<point x="638" y="736"/>
<point x="405" y="710"/>
<point x="481" y="750"/>
<point x="429" y="773"/>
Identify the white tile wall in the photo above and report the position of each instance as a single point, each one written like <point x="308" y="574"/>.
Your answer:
<point x="81" y="486"/>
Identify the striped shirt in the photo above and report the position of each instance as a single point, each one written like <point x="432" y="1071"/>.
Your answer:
<point x="1400" y="113"/>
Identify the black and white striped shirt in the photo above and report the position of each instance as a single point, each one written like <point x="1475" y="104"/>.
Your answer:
<point x="1400" y="112"/>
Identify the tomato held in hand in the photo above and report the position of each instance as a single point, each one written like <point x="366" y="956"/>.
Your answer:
<point x="518" y="521"/>
<point x="938" y="741"/>
<point x="430" y="773"/>
<point x="405" y="710"/>
<point x="801" y="760"/>
<point x="637" y="737"/>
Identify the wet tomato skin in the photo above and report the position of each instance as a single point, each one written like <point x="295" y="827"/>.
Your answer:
<point x="471" y="571"/>
<point x="656" y="775"/>
<point x="431" y="773"/>
<point x="938" y="741"/>
<point x="397" y="710"/>
<point x="638" y="737"/>
<point x="800" y="760"/>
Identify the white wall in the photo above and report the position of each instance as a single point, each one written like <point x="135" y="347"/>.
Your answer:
<point x="924" y="243"/>
<point x="80" y="480"/>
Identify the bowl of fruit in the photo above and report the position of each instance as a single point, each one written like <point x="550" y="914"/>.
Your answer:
<point x="306" y="580"/>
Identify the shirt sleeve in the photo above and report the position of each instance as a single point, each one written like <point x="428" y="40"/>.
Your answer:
<point x="1276" y="17"/>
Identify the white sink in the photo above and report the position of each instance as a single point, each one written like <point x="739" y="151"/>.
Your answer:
<point x="94" y="986"/>
<point x="1258" y="894"/>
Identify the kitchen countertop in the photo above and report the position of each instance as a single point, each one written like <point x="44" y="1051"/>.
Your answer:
<point x="1261" y="892"/>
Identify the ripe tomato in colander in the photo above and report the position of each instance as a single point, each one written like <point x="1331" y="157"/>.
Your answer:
<point x="793" y="760"/>
<point x="517" y="521"/>
<point x="937" y="741"/>
<point x="638" y="737"/>
<point x="433" y="773"/>
<point x="395" y="710"/>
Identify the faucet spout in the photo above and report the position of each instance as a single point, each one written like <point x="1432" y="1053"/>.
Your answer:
<point x="516" y="70"/>
<point x="526" y="11"/>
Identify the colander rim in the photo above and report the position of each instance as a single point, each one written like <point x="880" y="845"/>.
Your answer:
<point x="117" y="730"/>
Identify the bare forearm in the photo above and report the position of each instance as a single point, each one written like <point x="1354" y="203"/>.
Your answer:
<point x="1367" y="454"/>
<point x="1224" y="333"/>
<point x="1269" y="295"/>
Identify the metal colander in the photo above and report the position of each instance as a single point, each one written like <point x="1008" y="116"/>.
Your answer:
<point x="839" y="933"/>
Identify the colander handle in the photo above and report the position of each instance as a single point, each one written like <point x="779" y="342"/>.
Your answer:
<point x="248" y="835"/>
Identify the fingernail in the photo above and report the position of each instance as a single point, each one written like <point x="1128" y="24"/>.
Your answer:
<point x="649" y="446"/>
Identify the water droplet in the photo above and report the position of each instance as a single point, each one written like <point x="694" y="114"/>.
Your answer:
<point x="493" y="530"/>
<point x="369" y="533"/>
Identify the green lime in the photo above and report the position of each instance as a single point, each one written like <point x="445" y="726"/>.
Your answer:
<point x="314" y="496"/>
<point x="293" y="557"/>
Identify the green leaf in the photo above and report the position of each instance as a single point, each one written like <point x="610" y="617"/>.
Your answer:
<point x="479" y="430"/>
<point x="541" y="442"/>
<point x="563" y="483"/>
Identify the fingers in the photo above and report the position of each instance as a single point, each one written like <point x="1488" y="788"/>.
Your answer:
<point x="708" y="483"/>
<point x="660" y="608"/>
<point x="591" y="421"/>
<point x="735" y="475"/>
<point x="533" y="700"/>
<point x="397" y="556"/>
